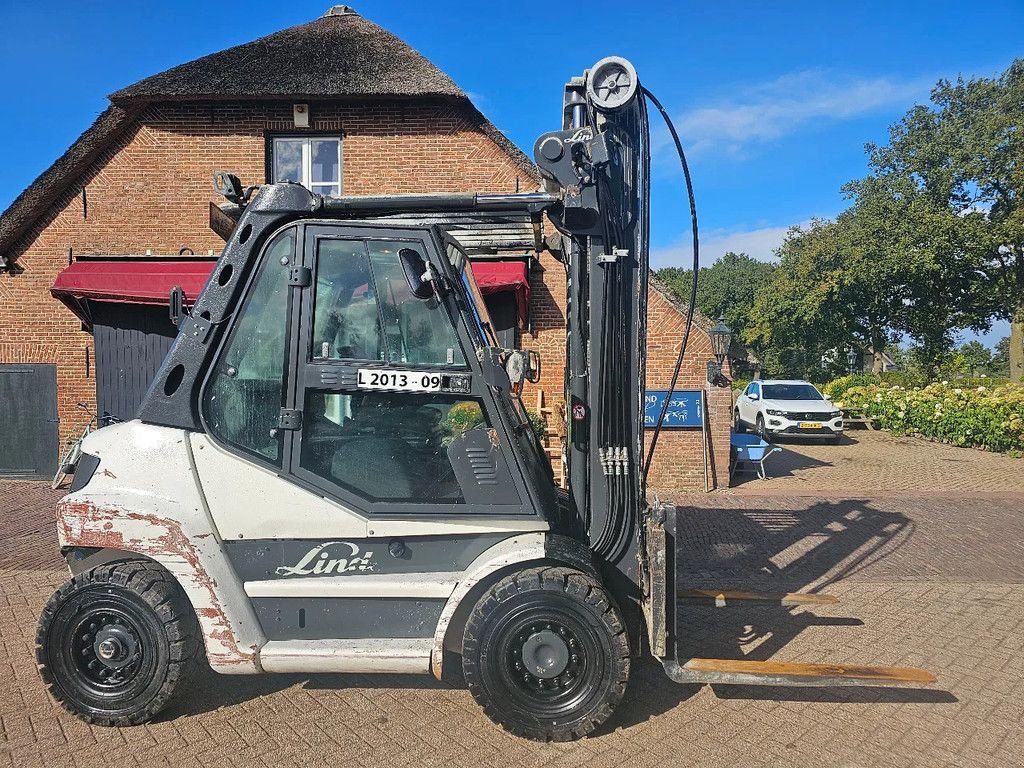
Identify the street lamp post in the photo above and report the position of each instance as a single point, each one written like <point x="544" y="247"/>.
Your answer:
<point x="721" y="340"/>
<point x="851" y="358"/>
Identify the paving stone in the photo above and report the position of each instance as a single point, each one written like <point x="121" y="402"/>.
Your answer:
<point x="929" y="571"/>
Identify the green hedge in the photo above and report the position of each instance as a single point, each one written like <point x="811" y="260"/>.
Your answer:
<point x="837" y="387"/>
<point x="980" y="416"/>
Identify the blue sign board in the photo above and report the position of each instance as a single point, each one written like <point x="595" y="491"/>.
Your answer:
<point x="684" y="409"/>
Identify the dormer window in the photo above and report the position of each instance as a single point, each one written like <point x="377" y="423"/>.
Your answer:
<point x="314" y="162"/>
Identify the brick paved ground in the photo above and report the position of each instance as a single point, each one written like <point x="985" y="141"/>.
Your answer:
<point x="880" y="463"/>
<point x="932" y="576"/>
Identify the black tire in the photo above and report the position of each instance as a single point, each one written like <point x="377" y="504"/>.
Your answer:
<point x="140" y="611"/>
<point x="737" y="424"/>
<point x="519" y="635"/>
<point x="761" y="431"/>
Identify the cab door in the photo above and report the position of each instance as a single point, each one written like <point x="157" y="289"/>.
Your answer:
<point x="387" y="412"/>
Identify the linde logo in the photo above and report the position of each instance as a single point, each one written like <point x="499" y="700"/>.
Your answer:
<point x="321" y="560"/>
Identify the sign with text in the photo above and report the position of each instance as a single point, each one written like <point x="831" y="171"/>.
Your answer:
<point x="684" y="409"/>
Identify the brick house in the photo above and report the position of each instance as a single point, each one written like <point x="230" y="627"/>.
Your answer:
<point x="125" y="214"/>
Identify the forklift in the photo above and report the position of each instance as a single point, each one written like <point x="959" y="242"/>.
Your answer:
<point x="333" y="470"/>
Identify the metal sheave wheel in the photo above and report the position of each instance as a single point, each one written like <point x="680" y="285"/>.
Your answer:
<point x="612" y="83"/>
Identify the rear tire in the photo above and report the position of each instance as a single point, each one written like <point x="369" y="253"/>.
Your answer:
<point x="545" y="653"/>
<point x="115" y="643"/>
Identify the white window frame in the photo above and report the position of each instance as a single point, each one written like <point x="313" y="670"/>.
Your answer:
<point x="307" y="162"/>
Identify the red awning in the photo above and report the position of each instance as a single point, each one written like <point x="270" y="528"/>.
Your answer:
<point x="150" y="280"/>
<point x="129" y="281"/>
<point x="498" y="276"/>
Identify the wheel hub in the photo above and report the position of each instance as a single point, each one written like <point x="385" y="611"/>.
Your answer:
<point x="106" y="649"/>
<point x="546" y="659"/>
<point x="545" y="654"/>
<point x="114" y="646"/>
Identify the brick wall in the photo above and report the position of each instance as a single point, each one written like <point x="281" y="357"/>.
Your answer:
<point x="682" y="458"/>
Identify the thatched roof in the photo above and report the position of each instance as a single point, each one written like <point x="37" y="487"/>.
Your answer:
<point x="338" y="56"/>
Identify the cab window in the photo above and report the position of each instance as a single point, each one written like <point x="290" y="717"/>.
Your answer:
<point x="242" y="400"/>
<point x="364" y="309"/>
<point x="388" y="446"/>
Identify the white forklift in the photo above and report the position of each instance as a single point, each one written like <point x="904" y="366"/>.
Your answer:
<point x="333" y="470"/>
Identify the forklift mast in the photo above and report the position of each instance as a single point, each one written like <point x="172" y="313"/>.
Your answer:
<point x="598" y="166"/>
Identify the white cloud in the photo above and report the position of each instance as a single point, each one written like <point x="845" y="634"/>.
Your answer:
<point x="758" y="243"/>
<point x="764" y="112"/>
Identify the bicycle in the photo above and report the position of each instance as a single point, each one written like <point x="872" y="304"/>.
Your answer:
<point x="69" y="463"/>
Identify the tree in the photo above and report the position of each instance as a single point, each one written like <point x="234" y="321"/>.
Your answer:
<point x="974" y="357"/>
<point x="1000" y="364"/>
<point x="728" y="286"/>
<point x="963" y="154"/>
<point x="864" y="279"/>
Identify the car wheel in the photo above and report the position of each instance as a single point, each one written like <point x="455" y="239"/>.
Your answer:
<point x="115" y="643"/>
<point x="761" y="431"/>
<point x="737" y="423"/>
<point x="545" y="653"/>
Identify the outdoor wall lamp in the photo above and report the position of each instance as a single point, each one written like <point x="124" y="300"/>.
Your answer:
<point x="721" y="340"/>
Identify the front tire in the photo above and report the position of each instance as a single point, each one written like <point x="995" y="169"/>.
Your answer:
<point x="737" y="424"/>
<point x="761" y="430"/>
<point x="545" y="653"/>
<point x="115" y="643"/>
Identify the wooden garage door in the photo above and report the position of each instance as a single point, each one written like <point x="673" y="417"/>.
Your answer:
<point x="28" y="420"/>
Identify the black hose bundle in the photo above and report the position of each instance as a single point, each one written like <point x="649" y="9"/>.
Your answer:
<point x="693" y="286"/>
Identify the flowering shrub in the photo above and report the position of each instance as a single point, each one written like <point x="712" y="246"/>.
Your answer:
<point x="837" y="387"/>
<point x="981" y="416"/>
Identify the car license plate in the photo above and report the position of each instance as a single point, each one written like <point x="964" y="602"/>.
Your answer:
<point x="400" y="381"/>
<point x="810" y="425"/>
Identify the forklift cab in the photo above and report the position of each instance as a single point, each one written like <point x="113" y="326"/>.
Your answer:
<point x="363" y="381"/>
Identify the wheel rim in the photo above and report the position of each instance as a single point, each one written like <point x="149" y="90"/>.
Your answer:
<point x="548" y="661"/>
<point x="108" y="653"/>
<point x="107" y="649"/>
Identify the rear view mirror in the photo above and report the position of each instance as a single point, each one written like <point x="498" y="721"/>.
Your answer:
<point x="754" y="396"/>
<point x="417" y="273"/>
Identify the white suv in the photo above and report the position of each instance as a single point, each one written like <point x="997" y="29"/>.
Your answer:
<point x="787" y="407"/>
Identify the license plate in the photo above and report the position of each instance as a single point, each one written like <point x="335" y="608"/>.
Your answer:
<point x="398" y="381"/>
<point x="810" y="425"/>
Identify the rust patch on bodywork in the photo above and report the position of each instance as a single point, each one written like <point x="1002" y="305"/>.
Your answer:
<point x="84" y="524"/>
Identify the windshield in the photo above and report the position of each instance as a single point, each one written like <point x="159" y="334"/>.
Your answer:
<point x="477" y="305"/>
<point x="791" y="392"/>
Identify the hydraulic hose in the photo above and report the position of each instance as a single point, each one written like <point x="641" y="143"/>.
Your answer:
<point x="693" y="287"/>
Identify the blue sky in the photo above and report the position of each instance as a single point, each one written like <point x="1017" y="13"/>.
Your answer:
<point x="774" y="100"/>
